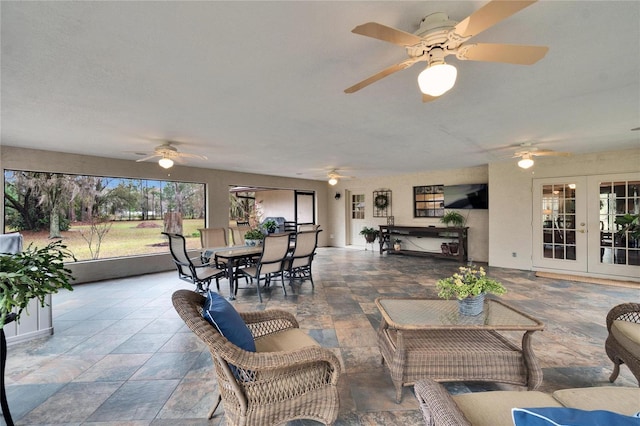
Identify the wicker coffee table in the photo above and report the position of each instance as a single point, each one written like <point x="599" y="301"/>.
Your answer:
<point x="421" y="338"/>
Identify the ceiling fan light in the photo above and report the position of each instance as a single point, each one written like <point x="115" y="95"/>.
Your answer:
<point x="525" y="162"/>
<point x="333" y="181"/>
<point x="437" y="79"/>
<point x="165" y="163"/>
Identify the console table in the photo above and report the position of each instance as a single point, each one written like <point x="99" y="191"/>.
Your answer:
<point x="458" y="236"/>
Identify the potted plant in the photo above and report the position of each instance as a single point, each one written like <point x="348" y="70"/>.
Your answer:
<point x="469" y="285"/>
<point x="369" y="234"/>
<point x="26" y="275"/>
<point x="455" y="220"/>
<point x="270" y="226"/>
<point x="253" y="237"/>
<point x="629" y="223"/>
<point x="397" y="246"/>
<point x="32" y="274"/>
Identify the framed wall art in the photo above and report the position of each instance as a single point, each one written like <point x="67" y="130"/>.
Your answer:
<point x="382" y="203"/>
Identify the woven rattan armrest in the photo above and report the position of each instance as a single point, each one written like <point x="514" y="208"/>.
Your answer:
<point x="437" y="406"/>
<point x="311" y="356"/>
<point x="624" y="312"/>
<point x="263" y="323"/>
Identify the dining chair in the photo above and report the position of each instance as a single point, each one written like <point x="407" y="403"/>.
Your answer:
<point x="213" y="237"/>
<point x="193" y="270"/>
<point x="271" y="262"/>
<point x="237" y="234"/>
<point x="298" y="263"/>
<point x="308" y="227"/>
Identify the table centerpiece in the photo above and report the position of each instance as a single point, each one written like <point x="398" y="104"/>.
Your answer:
<point x="469" y="286"/>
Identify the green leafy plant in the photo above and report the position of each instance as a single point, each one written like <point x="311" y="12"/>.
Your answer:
<point x="32" y="274"/>
<point x="368" y="231"/>
<point x="270" y="226"/>
<point x="467" y="282"/>
<point x="254" y="234"/>
<point x="453" y="218"/>
<point x="629" y="223"/>
<point x="369" y="234"/>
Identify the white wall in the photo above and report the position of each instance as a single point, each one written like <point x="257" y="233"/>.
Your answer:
<point x="511" y="198"/>
<point x="277" y="204"/>
<point x="217" y="182"/>
<point x="402" y="205"/>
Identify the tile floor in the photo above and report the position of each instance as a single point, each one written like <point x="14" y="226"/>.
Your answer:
<point x="120" y="354"/>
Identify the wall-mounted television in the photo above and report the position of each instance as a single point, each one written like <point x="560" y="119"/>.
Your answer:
<point x="469" y="196"/>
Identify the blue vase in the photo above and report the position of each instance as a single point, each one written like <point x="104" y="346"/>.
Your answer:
<point x="472" y="305"/>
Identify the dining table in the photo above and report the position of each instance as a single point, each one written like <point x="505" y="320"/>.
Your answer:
<point x="232" y="256"/>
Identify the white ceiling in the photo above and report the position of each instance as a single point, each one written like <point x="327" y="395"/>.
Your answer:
<point x="258" y="86"/>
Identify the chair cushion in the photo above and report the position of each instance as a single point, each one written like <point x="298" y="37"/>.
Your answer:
<point x="494" y="408"/>
<point x="554" y="416"/>
<point x="628" y="335"/>
<point x="222" y="315"/>
<point x="623" y="400"/>
<point x="287" y="340"/>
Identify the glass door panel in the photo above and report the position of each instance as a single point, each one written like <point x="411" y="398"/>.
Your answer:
<point x="559" y="224"/>
<point x="617" y="200"/>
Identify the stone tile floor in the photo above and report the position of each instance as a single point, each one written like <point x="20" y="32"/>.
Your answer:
<point x="120" y="354"/>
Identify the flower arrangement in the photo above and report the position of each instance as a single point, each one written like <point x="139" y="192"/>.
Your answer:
<point x="468" y="282"/>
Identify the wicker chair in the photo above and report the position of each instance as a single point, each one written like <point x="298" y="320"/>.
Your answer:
<point x="266" y="388"/>
<point x="623" y="324"/>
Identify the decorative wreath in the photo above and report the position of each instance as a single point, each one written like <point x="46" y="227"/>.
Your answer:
<point x="381" y="201"/>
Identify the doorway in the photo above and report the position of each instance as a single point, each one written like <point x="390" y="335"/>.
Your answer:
<point x="576" y="224"/>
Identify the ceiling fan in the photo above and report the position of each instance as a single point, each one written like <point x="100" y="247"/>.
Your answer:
<point x="526" y="155"/>
<point x="439" y="37"/>
<point x="333" y="176"/>
<point x="168" y="153"/>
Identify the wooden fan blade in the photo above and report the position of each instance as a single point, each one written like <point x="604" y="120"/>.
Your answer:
<point x="547" y="152"/>
<point x="427" y="98"/>
<point x="488" y="16"/>
<point x="506" y="53"/>
<point x="148" y="157"/>
<point x="387" y="71"/>
<point x="187" y="155"/>
<point x="388" y="34"/>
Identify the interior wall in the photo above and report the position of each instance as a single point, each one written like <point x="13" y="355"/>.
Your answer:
<point x="217" y="182"/>
<point x="511" y="198"/>
<point x="277" y="203"/>
<point x="401" y="187"/>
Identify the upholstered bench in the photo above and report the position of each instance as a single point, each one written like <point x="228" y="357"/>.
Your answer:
<point x="493" y="408"/>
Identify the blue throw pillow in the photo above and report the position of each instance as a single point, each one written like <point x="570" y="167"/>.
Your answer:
<point x="560" y="416"/>
<point x="222" y="315"/>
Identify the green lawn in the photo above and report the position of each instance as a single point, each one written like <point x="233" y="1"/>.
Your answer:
<point x="125" y="238"/>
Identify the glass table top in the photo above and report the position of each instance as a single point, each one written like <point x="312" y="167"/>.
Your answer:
<point x="422" y="314"/>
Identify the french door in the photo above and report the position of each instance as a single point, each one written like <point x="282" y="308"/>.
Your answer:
<point x="560" y="224"/>
<point x="575" y="224"/>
